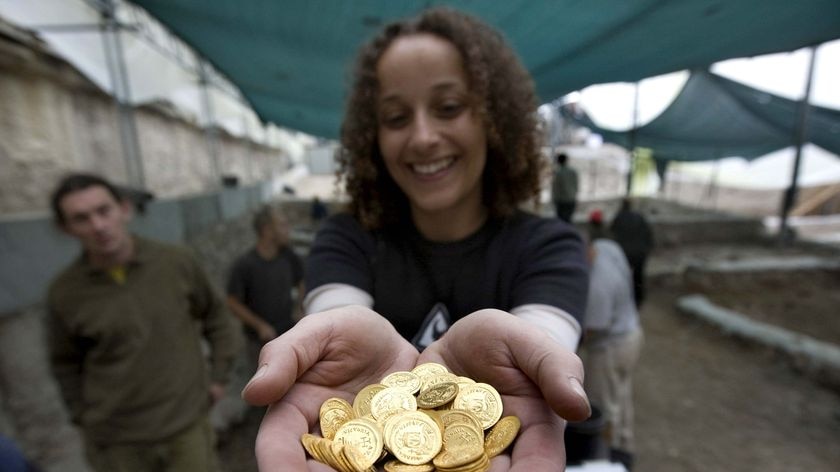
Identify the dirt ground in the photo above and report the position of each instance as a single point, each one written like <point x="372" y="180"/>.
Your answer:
<point x="706" y="401"/>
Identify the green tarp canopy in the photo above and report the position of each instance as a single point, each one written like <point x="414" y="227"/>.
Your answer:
<point x="291" y="58"/>
<point x="714" y="117"/>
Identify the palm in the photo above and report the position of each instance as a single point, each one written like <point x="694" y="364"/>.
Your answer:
<point x="531" y="374"/>
<point x="334" y="353"/>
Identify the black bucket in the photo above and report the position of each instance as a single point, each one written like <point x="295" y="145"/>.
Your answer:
<point x="585" y="439"/>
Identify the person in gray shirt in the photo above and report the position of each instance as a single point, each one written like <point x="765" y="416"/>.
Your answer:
<point x="611" y="345"/>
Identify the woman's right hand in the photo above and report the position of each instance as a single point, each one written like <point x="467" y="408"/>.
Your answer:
<point x="334" y="353"/>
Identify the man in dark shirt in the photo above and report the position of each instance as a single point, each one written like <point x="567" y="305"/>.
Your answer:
<point x="261" y="280"/>
<point x="633" y="233"/>
<point x="564" y="188"/>
<point x="123" y="338"/>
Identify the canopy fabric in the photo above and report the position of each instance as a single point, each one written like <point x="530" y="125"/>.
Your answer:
<point x="714" y="117"/>
<point x="292" y="58"/>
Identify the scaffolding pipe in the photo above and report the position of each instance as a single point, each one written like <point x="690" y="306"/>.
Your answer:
<point x="799" y="140"/>
<point x="633" y="139"/>
<point x="115" y="59"/>
<point x="210" y="132"/>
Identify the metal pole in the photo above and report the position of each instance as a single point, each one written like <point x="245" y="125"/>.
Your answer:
<point x="633" y="139"/>
<point x="115" y="60"/>
<point x="799" y="140"/>
<point x="209" y="128"/>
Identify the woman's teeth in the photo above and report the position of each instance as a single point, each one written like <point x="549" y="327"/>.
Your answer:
<point x="432" y="167"/>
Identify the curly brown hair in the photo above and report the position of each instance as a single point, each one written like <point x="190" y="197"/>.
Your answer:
<point x="503" y="96"/>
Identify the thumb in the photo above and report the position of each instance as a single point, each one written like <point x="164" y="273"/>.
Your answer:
<point x="286" y="358"/>
<point x="557" y="371"/>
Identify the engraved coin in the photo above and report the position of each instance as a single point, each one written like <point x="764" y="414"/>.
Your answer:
<point x="407" y="381"/>
<point x="415" y="438"/>
<point x="334" y="413"/>
<point x="364" y="435"/>
<point x="501" y="435"/>
<point x="391" y="401"/>
<point x="483" y="401"/>
<point x="361" y="404"/>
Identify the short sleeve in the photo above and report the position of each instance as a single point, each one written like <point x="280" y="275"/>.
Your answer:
<point x="340" y="253"/>
<point x="552" y="267"/>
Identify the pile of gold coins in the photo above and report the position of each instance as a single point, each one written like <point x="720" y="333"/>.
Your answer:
<point x="428" y="419"/>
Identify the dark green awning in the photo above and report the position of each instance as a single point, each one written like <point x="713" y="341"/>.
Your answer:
<point x="291" y="58"/>
<point x="714" y="117"/>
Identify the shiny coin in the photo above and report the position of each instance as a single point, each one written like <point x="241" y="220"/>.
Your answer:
<point x="391" y="401"/>
<point x="364" y="435"/>
<point x="361" y="404"/>
<point x="334" y="413"/>
<point x="415" y="438"/>
<point x="397" y="466"/>
<point x="428" y="369"/>
<point x="501" y="435"/>
<point x="438" y="394"/>
<point x="406" y="381"/>
<point x="483" y="401"/>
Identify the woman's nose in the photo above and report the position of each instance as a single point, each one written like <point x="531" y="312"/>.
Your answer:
<point x="425" y="133"/>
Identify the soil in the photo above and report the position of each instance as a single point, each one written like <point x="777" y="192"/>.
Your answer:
<point x="705" y="401"/>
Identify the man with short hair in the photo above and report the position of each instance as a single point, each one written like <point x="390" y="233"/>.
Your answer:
<point x="125" y="319"/>
<point x="261" y="280"/>
<point x="564" y="188"/>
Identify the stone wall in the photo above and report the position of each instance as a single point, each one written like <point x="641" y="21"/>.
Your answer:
<point x="53" y="120"/>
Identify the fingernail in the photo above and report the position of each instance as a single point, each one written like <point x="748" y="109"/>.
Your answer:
<point x="260" y="372"/>
<point x="577" y="386"/>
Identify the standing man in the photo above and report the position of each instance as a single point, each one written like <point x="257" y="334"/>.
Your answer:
<point x="127" y="318"/>
<point x="262" y="279"/>
<point x="611" y="345"/>
<point x="564" y="188"/>
<point x="633" y="233"/>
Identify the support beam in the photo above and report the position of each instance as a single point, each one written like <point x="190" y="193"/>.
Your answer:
<point x="799" y="140"/>
<point x="121" y="91"/>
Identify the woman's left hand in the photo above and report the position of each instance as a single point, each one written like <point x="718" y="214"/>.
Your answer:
<point x="539" y="381"/>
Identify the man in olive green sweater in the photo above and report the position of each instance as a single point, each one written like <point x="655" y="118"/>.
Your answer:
<point x="127" y="320"/>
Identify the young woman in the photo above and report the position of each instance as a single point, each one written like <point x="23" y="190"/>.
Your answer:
<point x="439" y="150"/>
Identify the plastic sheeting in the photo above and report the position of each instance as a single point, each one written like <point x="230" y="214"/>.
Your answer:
<point x="714" y="117"/>
<point x="291" y="59"/>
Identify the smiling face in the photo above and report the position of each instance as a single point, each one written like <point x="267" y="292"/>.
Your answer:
<point x="99" y="221"/>
<point x="430" y="136"/>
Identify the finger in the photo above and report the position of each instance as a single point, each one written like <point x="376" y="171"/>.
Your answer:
<point x="285" y="358"/>
<point x="278" y="445"/>
<point x="541" y="436"/>
<point x="557" y="372"/>
<point x="508" y="345"/>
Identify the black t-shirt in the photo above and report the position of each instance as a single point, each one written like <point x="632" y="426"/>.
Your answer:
<point x="264" y="285"/>
<point x="521" y="260"/>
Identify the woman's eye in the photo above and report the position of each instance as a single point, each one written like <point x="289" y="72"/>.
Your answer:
<point x="450" y="109"/>
<point x="394" y="120"/>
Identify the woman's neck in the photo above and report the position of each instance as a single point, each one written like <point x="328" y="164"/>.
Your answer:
<point x="450" y="225"/>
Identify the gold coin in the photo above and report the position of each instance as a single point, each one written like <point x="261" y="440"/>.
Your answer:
<point x="429" y="369"/>
<point x="458" y="436"/>
<point x="334" y="413"/>
<point x="483" y="401"/>
<point x="501" y="435"/>
<point x="459" y="416"/>
<point x="415" y="438"/>
<point x="407" y="381"/>
<point x="361" y="404"/>
<point x="363" y="434"/>
<point x="451" y="458"/>
<point x="435" y="415"/>
<point x="438" y="394"/>
<point x="430" y="381"/>
<point x="397" y="466"/>
<point x="391" y="401"/>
